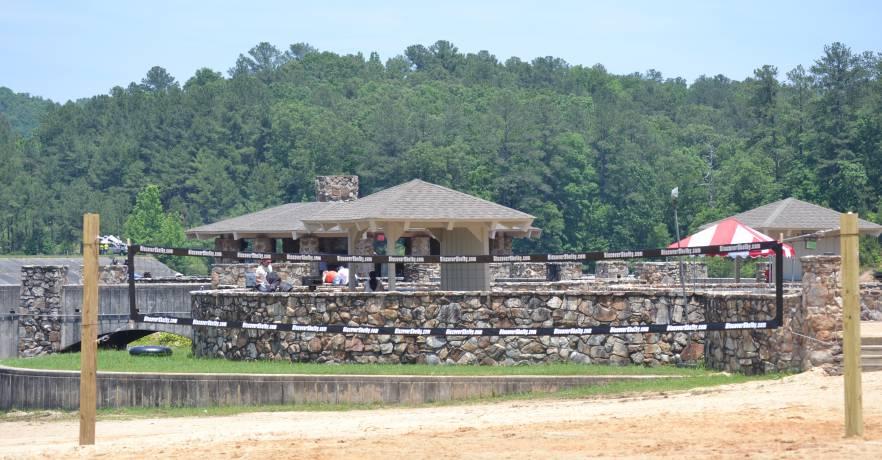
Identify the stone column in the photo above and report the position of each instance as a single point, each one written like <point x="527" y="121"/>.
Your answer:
<point x="264" y="245"/>
<point x="363" y="247"/>
<point x="310" y="245"/>
<point x="226" y="244"/>
<point x="421" y="273"/>
<point x="39" y="326"/>
<point x="821" y="300"/>
<point x="113" y="274"/>
<point x="501" y="245"/>
<point x="611" y="269"/>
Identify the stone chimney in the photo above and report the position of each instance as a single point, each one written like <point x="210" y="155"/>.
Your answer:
<point x="336" y="188"/>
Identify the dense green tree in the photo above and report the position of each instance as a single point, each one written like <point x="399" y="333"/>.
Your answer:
<point x="591" y="154"/>
<point x="158" y="79"/>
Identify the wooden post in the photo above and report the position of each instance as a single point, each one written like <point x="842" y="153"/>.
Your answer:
<point x="89" y="335"/>
<point x="851" y="346"/>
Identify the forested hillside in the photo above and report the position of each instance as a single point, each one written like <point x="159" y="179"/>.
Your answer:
<point x="592" y="155"/>
<point x="21" y="111"/>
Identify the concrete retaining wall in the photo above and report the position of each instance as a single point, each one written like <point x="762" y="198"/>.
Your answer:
<point x="40" y="389"/>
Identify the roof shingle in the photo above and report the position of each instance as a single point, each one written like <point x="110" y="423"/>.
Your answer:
<point x="794" y="214"/>
<point x="418" y="200"/>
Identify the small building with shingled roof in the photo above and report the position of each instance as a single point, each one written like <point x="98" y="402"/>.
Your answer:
<point x="435" y="220"/>
<point x="811" y="229"/>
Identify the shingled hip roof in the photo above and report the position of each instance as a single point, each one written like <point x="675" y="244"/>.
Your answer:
<point x="286" y="219"/>
<point x="797" y="215"/>
<point x="418" y="200"/>
<point x="416" y="204"/>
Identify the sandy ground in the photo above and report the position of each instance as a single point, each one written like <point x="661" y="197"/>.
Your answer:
<point x="796" y="417"/>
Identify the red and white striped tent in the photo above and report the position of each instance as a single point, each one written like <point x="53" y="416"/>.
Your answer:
<point x="730" y="231"/>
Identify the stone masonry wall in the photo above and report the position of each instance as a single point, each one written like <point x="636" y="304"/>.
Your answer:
<point x="448" y="309"/>
<point x="234" y="274"/>
<point x="822" y="305"/>
<point x="39" y="327"/>
<point x="421" y="273"/>
<point x="567" y="270"/>
<point x="668" y="272"/>
<point x="615" y="269"/>
<point x="755" y="351"/>
<point x="113" y="274"/>
<point x="871" y="301"/>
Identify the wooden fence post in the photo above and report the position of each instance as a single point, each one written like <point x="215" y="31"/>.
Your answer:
<point x="851" y="312"/>
<point x="89" y="335"/>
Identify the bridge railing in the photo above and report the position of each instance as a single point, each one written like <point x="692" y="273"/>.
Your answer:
<point x="150" y="298"/>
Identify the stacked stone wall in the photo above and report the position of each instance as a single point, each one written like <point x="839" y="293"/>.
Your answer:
<point x="566" y="271"/>
<point x="755" y="351"/>
<point x="450" y="309"/>
<point x="871" y="301"/>
<point x="669" y="272"/>
<point x="611" y="269"/>
<point x="543" y="271"/>
<point x="40" y="309"/>
<point x="234" y="274"/>
<point x="113" y="274"/>
<point x="822" y="307"/>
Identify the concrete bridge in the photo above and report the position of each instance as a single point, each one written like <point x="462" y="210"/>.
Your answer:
<point x="43" y="320"/>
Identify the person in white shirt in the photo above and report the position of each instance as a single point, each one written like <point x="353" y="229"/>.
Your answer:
<point x="260" y="273"/>
<point x="342" y="278"/>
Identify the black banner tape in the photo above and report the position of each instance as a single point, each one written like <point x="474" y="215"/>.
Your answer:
<point x="564" y="257"/>
<point x="462" y="331"/>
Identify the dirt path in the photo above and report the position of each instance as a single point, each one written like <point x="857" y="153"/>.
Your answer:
<point x="800" y="416"/>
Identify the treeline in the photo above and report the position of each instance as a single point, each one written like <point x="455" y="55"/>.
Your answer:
<point x="21" y="111"/>
<point x="593" y="155"/>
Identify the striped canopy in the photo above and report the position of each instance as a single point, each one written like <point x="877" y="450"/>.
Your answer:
<point x="730" y="231"/>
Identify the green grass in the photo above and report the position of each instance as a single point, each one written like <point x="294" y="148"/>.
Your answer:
<point x="182" y="361"/>
<point x="657" y="387"/>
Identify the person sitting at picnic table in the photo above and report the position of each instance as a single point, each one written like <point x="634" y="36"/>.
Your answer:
<point x="263" y="268"/>
<point x="373" y="283"/>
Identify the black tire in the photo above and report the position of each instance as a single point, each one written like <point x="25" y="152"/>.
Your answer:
<point x="150" y="350"/>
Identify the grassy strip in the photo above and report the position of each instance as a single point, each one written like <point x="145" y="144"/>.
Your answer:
<point x="182" y="362"/>
<point x="655" y="387"/>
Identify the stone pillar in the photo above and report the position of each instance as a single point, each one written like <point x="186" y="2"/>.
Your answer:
<point x="563" y="271"/>
<point x="421" y="273"/>
<point x="501" y="245"/>
<point x="363" y="247"/>
<point x="611" y="269"/>
<point x="822" y="302"/>
<point x="39" y="326"/>
<point x="310" y="245"/>
<point x="336" y="188"/>
<point x="113" y="274"/>
<point x="264" y="245"/>
<point x="226" y="244"/>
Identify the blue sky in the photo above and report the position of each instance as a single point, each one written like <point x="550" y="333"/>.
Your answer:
<point x="67" y="50"/>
